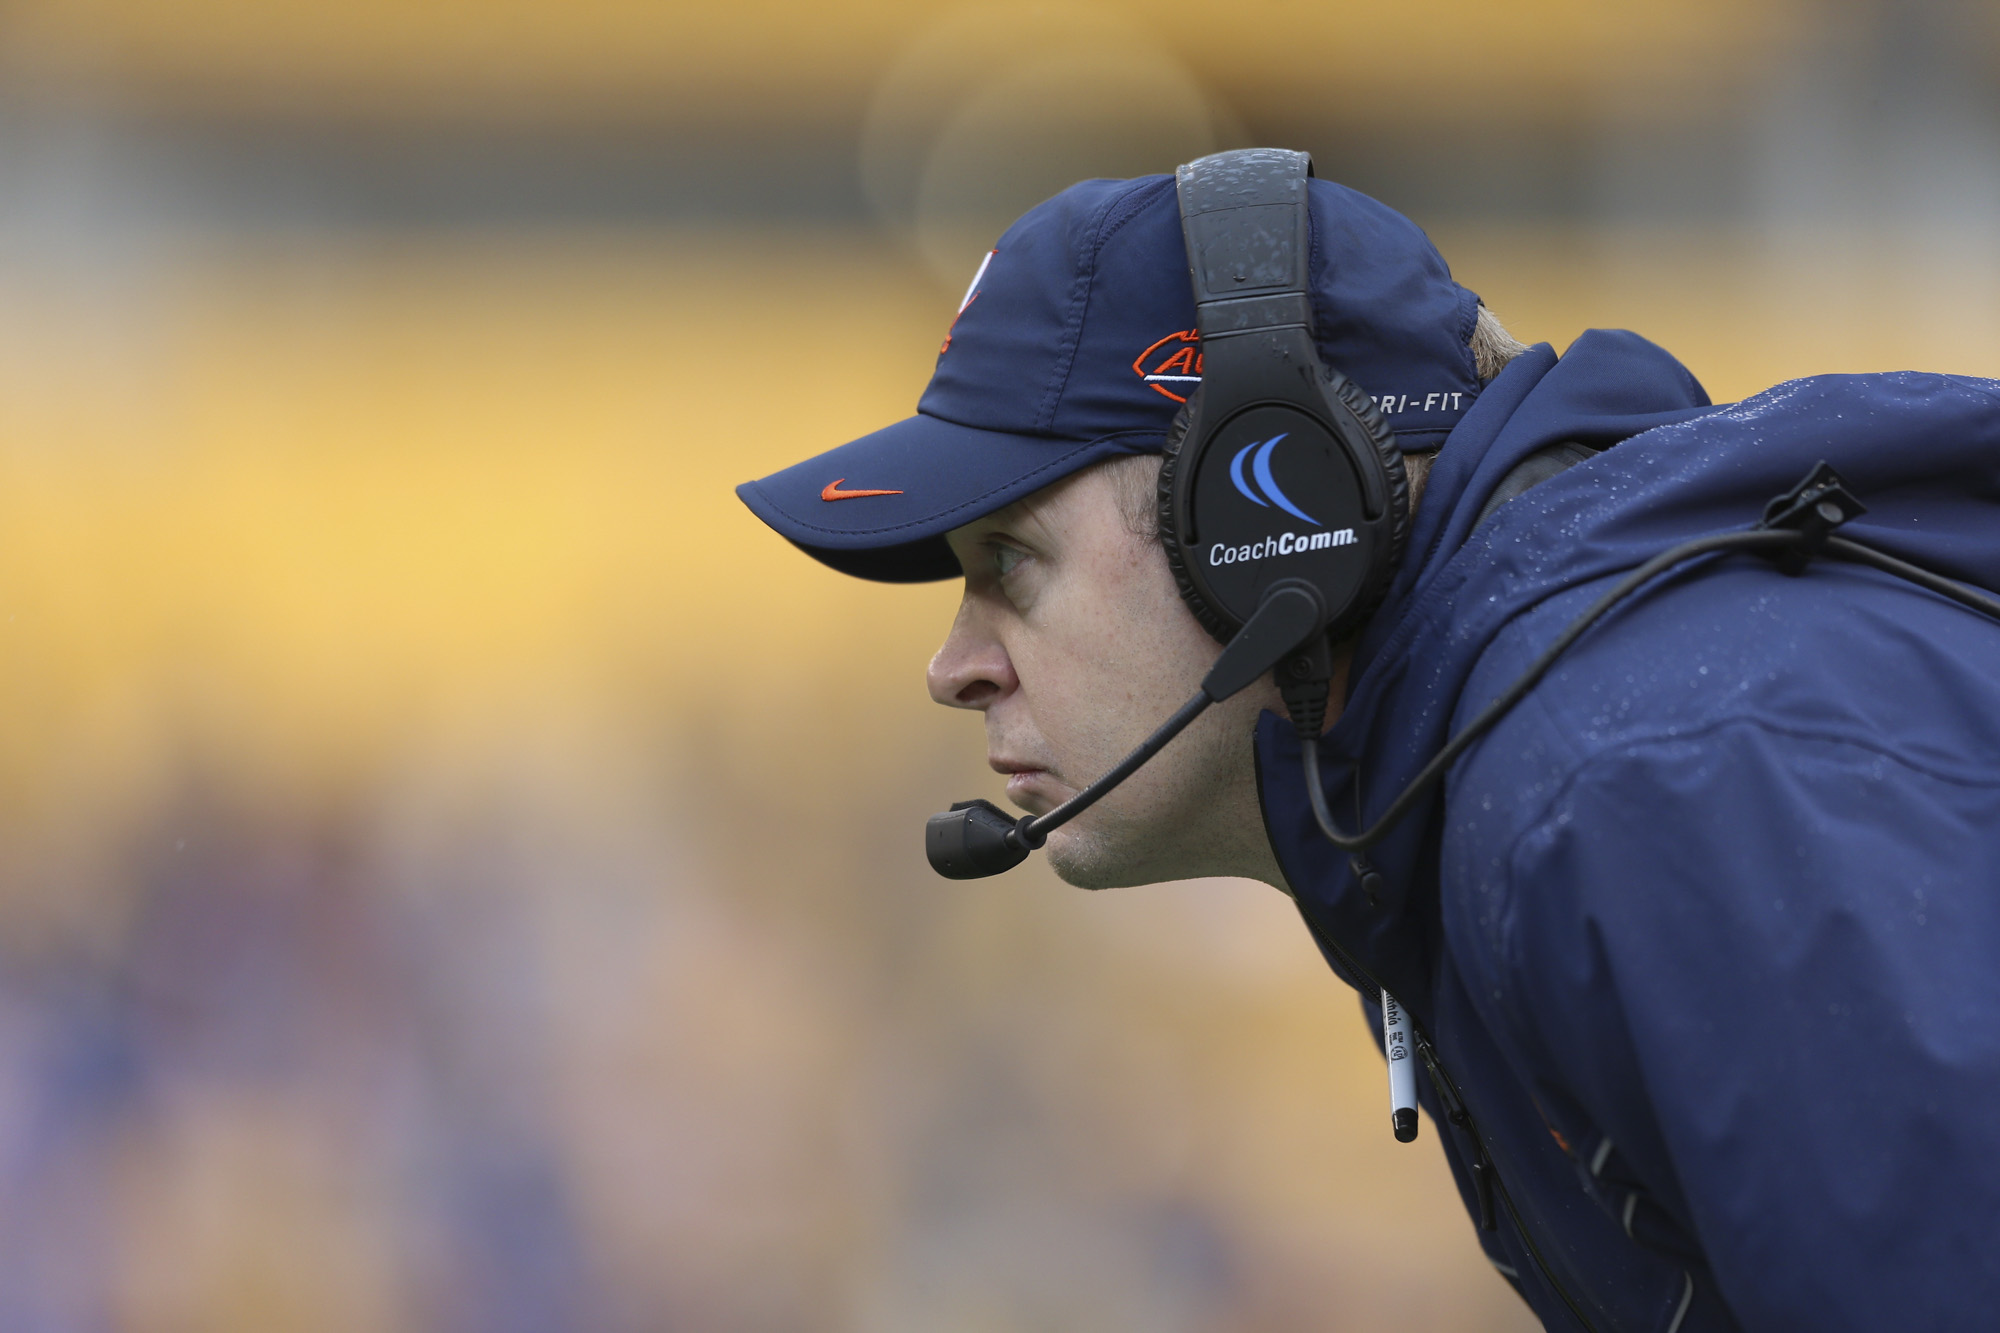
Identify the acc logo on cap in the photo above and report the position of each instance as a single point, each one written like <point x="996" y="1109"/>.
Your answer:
<point x="1171" y="366"/>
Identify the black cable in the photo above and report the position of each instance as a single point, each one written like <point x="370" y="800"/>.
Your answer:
<point x="1937" y="583"/>
<point x="1756" y="539"/>
<point x="1753" y="539"/>
<point x="1766" y="539"/>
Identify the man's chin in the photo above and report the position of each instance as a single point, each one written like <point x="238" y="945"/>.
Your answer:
<point x="1088" y="859"/>
<point x="1086" y="853"/>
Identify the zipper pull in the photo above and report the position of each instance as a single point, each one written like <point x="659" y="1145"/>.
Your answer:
<point x="1370" y="878"/>
<point x="1482" y="1189"/>
<point x="1455" y="1112"/>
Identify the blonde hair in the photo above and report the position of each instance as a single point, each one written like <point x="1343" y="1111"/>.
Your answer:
<point x="1492" y="346"/>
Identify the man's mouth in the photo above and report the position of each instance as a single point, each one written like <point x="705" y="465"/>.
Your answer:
<point x="1030" y="786"/>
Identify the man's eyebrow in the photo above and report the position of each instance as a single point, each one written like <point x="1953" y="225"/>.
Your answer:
<point x="1004" y="524"/>
<point x="1022" y="519"/>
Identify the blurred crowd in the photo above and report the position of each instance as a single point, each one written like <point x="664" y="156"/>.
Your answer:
<point x="457" y="872"/>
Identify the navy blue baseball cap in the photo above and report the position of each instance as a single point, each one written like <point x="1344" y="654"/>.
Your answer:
<point x="1076" y="343"/>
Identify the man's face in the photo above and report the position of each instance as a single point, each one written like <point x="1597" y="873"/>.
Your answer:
<point x="1075" y="644"/>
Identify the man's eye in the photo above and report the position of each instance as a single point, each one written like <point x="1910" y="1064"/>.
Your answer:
<point x="1006" y="557"/>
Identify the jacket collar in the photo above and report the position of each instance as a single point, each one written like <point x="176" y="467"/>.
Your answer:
<point x="1412" y="660"/>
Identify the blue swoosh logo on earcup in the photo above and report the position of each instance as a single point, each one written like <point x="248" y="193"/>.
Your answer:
<point x="1236" y="475"/>
<point x="1260" y="468"/>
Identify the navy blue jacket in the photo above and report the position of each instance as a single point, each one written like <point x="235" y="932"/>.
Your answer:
<point x="1707" y="931"/>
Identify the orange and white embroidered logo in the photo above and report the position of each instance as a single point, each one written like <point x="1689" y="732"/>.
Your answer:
<point x="1171" y="366"/>
<point x="971" y="295"/>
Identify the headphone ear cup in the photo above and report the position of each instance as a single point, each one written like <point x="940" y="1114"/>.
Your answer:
<point x="1344" y="397"/>
<point x="1343" y="394"/>
<point x="1218" y="628"/>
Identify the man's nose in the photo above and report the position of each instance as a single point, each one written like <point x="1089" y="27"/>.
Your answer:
<point x="971" y="670"/>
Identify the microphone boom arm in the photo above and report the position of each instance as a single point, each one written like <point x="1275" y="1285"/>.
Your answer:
<point x="975" y="839"/>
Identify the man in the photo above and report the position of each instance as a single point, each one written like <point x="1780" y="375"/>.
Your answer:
<point x="1699" y="939"/>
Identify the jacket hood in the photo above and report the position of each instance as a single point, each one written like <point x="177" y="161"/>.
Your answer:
<point x="1922" y="451"/>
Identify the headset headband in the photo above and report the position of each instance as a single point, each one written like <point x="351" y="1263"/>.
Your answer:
<point x="1244" y="220"/>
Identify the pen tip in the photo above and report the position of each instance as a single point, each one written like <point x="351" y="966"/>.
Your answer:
<point x="1406" y="1124"/>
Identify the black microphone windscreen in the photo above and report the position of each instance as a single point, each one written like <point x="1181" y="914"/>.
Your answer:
<point x="969" y="841"/>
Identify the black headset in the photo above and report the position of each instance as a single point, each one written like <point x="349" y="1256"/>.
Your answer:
<point x="1279" y="467"/>
<point x="1283" y="500"/>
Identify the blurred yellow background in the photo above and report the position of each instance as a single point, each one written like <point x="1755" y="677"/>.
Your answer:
<point x="459" y="871"/>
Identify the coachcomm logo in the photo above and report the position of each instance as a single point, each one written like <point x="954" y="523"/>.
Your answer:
<point x="1285" y="543"/>
<point x="1261" y="488"/>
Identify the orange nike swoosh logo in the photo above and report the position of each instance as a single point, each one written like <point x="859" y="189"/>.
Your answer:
<point x="833" y="491"/>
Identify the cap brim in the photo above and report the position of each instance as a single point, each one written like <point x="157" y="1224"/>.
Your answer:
<point x="879" y="507"/>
